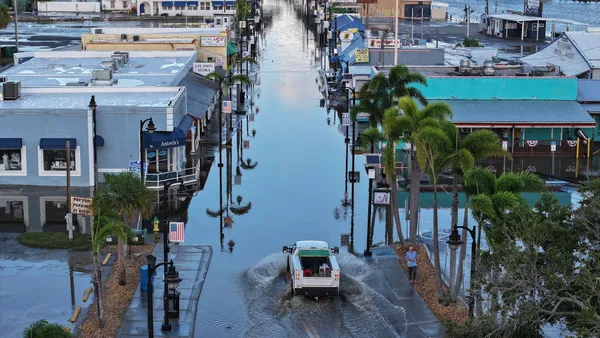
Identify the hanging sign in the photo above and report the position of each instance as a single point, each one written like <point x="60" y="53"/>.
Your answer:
<point x="204" y="68"/>
<point x="346" y="119"/>
<point x="81" y="206"/>
<point x="504" y="145"/>
<point x="346" y="36"/>
<point x="362" y="56"/>
<point x="381" y="197"/>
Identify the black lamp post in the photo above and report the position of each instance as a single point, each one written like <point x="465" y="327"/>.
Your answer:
<point x="151" y="128"/>
<point x="182" y="194"/>
<point x="92" y="106"/>
<point x="454" y="242"/>
<point x="171" y="281"/>
<point x="372" y="140"/>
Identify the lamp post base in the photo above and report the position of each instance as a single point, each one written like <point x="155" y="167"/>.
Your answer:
<point x="368" y="253"/>
<point x="166" y="327"/>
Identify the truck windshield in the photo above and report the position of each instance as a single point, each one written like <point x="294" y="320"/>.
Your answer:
<point x="313" y="253"/>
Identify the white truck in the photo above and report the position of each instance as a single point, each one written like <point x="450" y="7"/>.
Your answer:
<point x="313" y="269"/>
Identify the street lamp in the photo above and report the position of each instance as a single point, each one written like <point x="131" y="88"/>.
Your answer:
<point x="454" y="242"/>
<point x="371" y="173"/>
<point x="171" y="281"/>
<point x="151" y="128"/>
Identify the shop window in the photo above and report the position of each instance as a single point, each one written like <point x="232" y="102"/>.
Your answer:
<point x="53" y="162"/>
<point x="125" y="4"/>
<point x="12" y="212"/>
<point x="192" y="7"/>
<point x="167" y="8"/>
<point x="55" y="212"/>
<point x="218" y="8"/>
<point x="12" y="162"/>
<point x="112" y="4"/>
<point x="179" y="8"/>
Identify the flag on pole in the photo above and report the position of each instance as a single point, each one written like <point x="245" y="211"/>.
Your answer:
<point x="227" y="107"/>
<point x="246" y="144"/>
<point x="176" y="231"/>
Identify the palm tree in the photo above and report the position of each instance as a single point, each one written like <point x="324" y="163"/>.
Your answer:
<point x="381" y="92"/>
<point x="412" y="122"/>
<point x="5" y="18"/>
<point x="481" y="144"/>
<point x="44" y="329"/>
<point x="126" y="195"/>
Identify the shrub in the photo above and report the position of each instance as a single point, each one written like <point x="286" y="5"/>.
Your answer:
<point x="56" y="240"/>
<point x="43" y="329"/>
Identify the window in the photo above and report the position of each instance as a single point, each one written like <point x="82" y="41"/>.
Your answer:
<point x="12" y="211"/>
<point x="192" y="7"/>
<point x="228" y="8"/>
<point x="218" y="8"/>
<point x="179" y="8"/>
<point x="112" y="4"/>
<point x="125" y="4"/>
<point x="10" y="160"/>
<point x="167" y="8"/>
<point x="53" y="162"/>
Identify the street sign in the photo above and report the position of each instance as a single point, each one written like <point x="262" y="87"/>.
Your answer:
<point x="553" y="146"/>
<point x="504" y="145"/>
<point x="81" y="206"/>
<point x="346" y="119"/>
<point x="135" y="166"/>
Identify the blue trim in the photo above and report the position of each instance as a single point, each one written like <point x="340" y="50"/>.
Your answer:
<point x="230" y="3"/>
<point x="99" y="141"/>
<point x="167" y="3"/>
<point x="169" y="139"/>
<point x="11" y="143"/>
<point x="192" y="3"/>
<point x="218" y="3"/>
<point x="180" y="3"/>
<point x="57" y="143"/>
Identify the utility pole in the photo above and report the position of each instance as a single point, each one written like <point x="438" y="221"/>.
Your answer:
<point x="69" y="216"/>
<point x="412" y="25"/>
<point x="487" y="6"/>
<point x="395" y="37"/>
<point x="468" y="9"/>
<point x="437" y="37"/>
<point x="16" y="25"/>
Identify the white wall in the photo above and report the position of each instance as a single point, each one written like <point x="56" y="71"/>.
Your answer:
<point x="118" y="5"/>
<point x="52" y="6"/>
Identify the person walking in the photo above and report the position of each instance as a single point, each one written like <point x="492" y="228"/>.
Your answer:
<point x="411" y="260"/>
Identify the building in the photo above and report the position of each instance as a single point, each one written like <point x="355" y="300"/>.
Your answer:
<point x="406" y="9"/>
<point x="210" y="43"/>
<point x="68" y="6"/>
<point x="588" y="94"/>
<point x="55" y="91"/>
<point x="571" y="54"/>
<point x="514" y="26"/>
<point x="206" y="9"/>
<point x="119" y="5"/>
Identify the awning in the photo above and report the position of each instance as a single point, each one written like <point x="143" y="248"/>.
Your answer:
<point x="180" y="3"/>
<point x="99" y="141"/>
<point x="231" y="48"/>
<point x="167" y="3"/>
<point x="169" y="139"/>
<point x="218" y="3"/>
<point x="57" y="143"/>
<point x="520" y="114"/>
<point x="192" y="3"/>
<point x="11" y="143"/>
<point x="230" y="3"/>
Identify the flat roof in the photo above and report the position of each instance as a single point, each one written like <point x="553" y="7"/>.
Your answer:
<point x="143" y="41"/>
<point x="480" y="113"/>
<point x="79" y="98"/>
<point x="517" y="17"/>
<point x="588" y="90"/>
<point x="51" y="69"/>
<point x="157" y="30"/>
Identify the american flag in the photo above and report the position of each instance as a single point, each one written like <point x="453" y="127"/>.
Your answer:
<point x="176" y="231"/>
<point x="227" y="107"/>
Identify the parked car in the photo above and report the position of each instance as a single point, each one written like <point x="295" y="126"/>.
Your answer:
<point x="313" y="269"/>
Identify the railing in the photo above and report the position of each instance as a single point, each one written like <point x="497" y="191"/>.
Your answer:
<point x="544" y="148"/>
<point x="188" y="175"/>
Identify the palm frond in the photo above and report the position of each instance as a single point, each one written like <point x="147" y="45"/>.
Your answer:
<point x="241" y="78"/>
<point x="482" y="207"/>
<point x="479" y="180"/>
<point x="438" y="110"/>
<point x="241" y="210"/>
<point x="484" y="144"/>
<point x="214" y="214"/>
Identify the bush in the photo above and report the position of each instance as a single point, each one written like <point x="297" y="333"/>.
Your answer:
<point x="471" y="42"/>
<point x="43" y="329"/>
<point x="56" y="240"/>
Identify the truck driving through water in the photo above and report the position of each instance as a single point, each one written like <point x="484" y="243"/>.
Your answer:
<point x="313" y="268"/>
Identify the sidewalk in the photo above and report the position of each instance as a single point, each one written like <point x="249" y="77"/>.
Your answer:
<point x="391" y="281"/>
<point x="192" y="263"/>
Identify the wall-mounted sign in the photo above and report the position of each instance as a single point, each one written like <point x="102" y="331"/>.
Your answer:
<point x="220" y="61"/>
<point x="362" y="56"/>
<point x="387" y="43"/>
<point x="381" y="197"/>
<point x="81" y="206"/>
<point x="203" y="68"/>
<point x="212" y="41"/>
<point x="346" y="36"/>
<point x="185" y="49"/>
<point x="532" y="8"/>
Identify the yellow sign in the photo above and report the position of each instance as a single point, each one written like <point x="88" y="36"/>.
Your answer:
<point x="362" y="56"/>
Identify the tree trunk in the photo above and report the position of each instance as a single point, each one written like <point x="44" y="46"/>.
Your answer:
<point x="453" y="224"/>
<point x="463" y="250"/>
<point x="415" y="189"/>
<point x="122" y="274"/>
<point x="436" y="246"/>
<point x="394" y="207"/>
<point x="97" y="298"/>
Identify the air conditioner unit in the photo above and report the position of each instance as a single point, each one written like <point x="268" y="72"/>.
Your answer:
<point x="123" y="36"/>
<point x="11" y="90"/>
<point x="125" y="54"/>
<point x="98" y="31"/>
<point x="109" y="64"/>
<point x="136" y="38"/>
<point x="119" y="59"/>
<point x="101" y="74"/>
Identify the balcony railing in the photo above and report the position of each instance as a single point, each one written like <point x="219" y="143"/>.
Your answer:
<point x="188" y="175"/>
<point x="544" y="148"/>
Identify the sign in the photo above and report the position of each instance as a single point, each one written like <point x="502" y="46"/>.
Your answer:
<point x="362" y="56"/>
<point x="505" y="145"/>
<point x="346" y="119"/>
<point x="155" y="222"/>
<point x="553" y="146"/>
<point x="387" y="43"/>
<point x="242" y="24"/>
<point x="227" y="107"/>
<point x="220" y="61"/>
<point x="184" y="49"/>
<point x="212" y="41"/>
<point x="135" y="166"/>
<point x="228" y="222"/>
<point x="237" y="180"/>
<point x="176" y="232"/>
<point x="203" y="68"/>
<point x="245" y="54"/>
<point x="329" y="35"/>
<point x="381" y="197"/>
<point x="81" y="206"/>
<point x="532" y="8"/>
<point x="246" y="144"/>
<point x="346" y="36"/>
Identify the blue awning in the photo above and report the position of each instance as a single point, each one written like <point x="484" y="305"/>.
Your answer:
<point x="99" y="141"/>
<point x="167" y="3"/>
<point x="218" y="3"/>
<point x="230" y="3"/>
<point x="11" y="143"/>
<point x="169" y="139"/>
<point x="57" y="143"/>
<point x="192" y="3"/>
<point x="180" y="3"/>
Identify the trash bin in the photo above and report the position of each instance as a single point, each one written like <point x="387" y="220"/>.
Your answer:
<point x="144" y="278"/>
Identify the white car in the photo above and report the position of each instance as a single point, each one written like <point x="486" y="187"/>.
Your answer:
<point x="313" y="269"/>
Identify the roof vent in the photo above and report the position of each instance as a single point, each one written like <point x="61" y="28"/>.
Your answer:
<point x="11" y="90"/>
<point x="101" y="75"/>
<point x="98" y="31"/>
<point x="488" y="68"/>
<point x="119" y="59"/>
<point x="123" y="36"/>
<point x="465" y="66"/>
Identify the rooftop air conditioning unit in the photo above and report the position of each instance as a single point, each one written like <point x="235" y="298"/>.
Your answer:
<point x="11" y="90"/>
<point x="119" y="59"/>
<point x="521" y="74"/>
<point x="98" y="31"/>
<point x="109" y="64"/>
<point x="77" y="84"/>
<point x="125" y="54"/>
<point x="537" y="72"/>
<point x="136" y="38"/>
<point x="123" y="36"/>
<point x="101" y="74"/>
<point x="3" y="78"/>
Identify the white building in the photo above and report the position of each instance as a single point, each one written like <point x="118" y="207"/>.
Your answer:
<point x="206" y="9"/>
<point x="68" y="6"/>
<point x="118" y="5"/>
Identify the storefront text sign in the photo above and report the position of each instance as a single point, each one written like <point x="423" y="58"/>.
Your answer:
<point x="213" y="41"/>
<point x="362" y="55"/>
<point x="204" y="68"/>
<point x="81" y="205"/>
